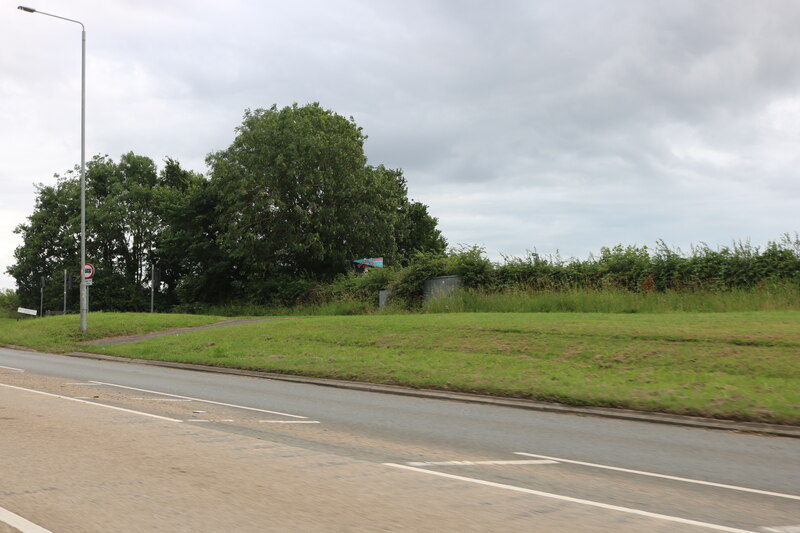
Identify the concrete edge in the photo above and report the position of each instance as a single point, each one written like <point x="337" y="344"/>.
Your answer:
<point x="605" y="412"/>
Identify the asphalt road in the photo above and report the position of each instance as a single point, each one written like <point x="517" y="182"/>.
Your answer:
<point x="421" y="464"/>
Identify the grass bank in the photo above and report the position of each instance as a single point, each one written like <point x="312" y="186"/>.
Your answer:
<point x="741" y="366"/>
<point x="62" y="333"/>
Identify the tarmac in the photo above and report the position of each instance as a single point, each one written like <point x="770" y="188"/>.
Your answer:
<point x="604" y="412"/>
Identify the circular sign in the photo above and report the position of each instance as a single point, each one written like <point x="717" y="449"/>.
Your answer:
<point x="88" y="271"/>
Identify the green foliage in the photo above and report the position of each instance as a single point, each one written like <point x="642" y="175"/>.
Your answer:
<point x="289" y="204"/>
<point x="408" y="286"/>
<point x="296" y="198"/>
<point x="9" y="302"/>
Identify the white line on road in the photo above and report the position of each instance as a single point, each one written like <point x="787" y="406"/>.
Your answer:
<point x="17" y="522"/>
<point x="473" y="463"/>
<point x="91" y="403"/>
<point x="200" y="400"/>
<point x="781" y="529"/>
<point x="289" y="421"/>
<point x="663" y="476"/>
<point x="610" y="507"/>
<point x="162" y="399"/>
<point x="11" y="368"/>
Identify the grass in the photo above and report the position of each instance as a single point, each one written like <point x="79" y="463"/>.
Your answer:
<point x="62" y="333"/>
<point x="742" y="366"/>
<point x="775" y="297"/>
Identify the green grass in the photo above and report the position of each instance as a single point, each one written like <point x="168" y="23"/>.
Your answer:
<point x="743" y="366"/>
<point x="776" y="297"/>
<point x="62" y="333"/>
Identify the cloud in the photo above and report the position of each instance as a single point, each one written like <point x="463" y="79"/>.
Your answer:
<point x="552" y="125"/>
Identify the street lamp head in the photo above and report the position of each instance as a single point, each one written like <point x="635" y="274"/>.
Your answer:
<point x="26" y="9"/>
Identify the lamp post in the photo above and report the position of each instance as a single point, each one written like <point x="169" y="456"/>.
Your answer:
<point x="84" y="303"/>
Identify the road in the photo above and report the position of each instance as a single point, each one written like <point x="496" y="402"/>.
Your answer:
<point x="89" y="445"/>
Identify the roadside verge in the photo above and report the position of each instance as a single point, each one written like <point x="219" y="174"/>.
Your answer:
<point x="604" y="412"/>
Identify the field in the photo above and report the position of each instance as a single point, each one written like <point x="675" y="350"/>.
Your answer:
<point x="741" y="366"/>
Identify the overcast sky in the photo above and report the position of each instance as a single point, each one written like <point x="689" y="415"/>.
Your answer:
<point x="523" y="125"/>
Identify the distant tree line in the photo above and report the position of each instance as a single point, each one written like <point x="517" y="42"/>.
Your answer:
<point x="289" y="204"/>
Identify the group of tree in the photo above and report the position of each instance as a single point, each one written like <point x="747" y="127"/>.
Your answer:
<point x="291" y="202"/>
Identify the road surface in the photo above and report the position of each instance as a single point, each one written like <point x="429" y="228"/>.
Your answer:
<point x="89" y="445"/>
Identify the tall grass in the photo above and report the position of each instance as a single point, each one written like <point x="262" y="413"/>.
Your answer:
<point x="779" y="297"/>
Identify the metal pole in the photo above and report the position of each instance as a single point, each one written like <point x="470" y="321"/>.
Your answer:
<point x="84" y="298"/>
<point x="65" y="291"/>
<point x="152" y="286"/>
<point x="84" y="288"/>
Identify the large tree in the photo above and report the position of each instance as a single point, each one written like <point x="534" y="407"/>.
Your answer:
<point x="297" y="198"/>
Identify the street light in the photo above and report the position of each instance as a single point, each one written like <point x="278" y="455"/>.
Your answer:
<point x="84" y="288"/>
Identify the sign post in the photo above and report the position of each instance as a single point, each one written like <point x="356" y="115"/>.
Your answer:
<point x="88" y="274"/>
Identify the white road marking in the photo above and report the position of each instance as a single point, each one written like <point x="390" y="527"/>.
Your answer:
<point x="781" y="529"/>
<point x="289" y="421"/>
<point x="663" y="476"/>
<point x="607" y="506"/>
<point x="472" y="463"/>
<point x="201" y="400"/>
<point x="11" y="368"/>
<point x="17" y="522"/>
<point x="161" y="399"/>
<point x="91" y="403"/>
<point x="82" y="384"/>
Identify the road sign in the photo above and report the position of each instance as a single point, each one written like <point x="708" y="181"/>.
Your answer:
<point x="88" y="271"/>
<point x="88" y="281"/>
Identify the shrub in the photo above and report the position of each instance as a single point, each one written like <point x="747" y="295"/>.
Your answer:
<point x="9" y="301"/>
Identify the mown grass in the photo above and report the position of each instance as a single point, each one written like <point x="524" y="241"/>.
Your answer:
<point x="743" y="366"/>
<point x="62" y="333"/>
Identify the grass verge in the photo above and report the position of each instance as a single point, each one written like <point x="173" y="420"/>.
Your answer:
<point x="740" y="366"/>
<point x="62" y="333"/>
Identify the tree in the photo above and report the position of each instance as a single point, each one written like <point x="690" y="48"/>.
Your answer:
<point x="50" y="242"/>
<point x="297" y="199"/>
<point x="122" y="226"/>
<point x="192" y="264"/>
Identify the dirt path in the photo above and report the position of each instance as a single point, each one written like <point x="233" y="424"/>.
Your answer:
<point x="177" y="331"/>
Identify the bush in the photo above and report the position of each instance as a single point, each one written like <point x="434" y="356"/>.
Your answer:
<point x="408" y="286"/>
<point x="9" y="301"/>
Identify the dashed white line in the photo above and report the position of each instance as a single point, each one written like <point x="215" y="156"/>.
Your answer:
<point x="162" y="399"/>
<point x="92" y="403"/>
<point x="591" y="503"/>
<point x="289" y="421"/>
<point x="19" y="523"/>
<point x="200" y="400"/>
<point x="12" y="368"/>
<point x="474" y="463"/>
<point x="664" y="476"/>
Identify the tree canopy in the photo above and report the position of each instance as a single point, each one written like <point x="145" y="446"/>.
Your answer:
<point x="291" y="200"/>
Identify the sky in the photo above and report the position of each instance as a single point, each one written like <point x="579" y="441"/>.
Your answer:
<point x="554" y="126"/>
